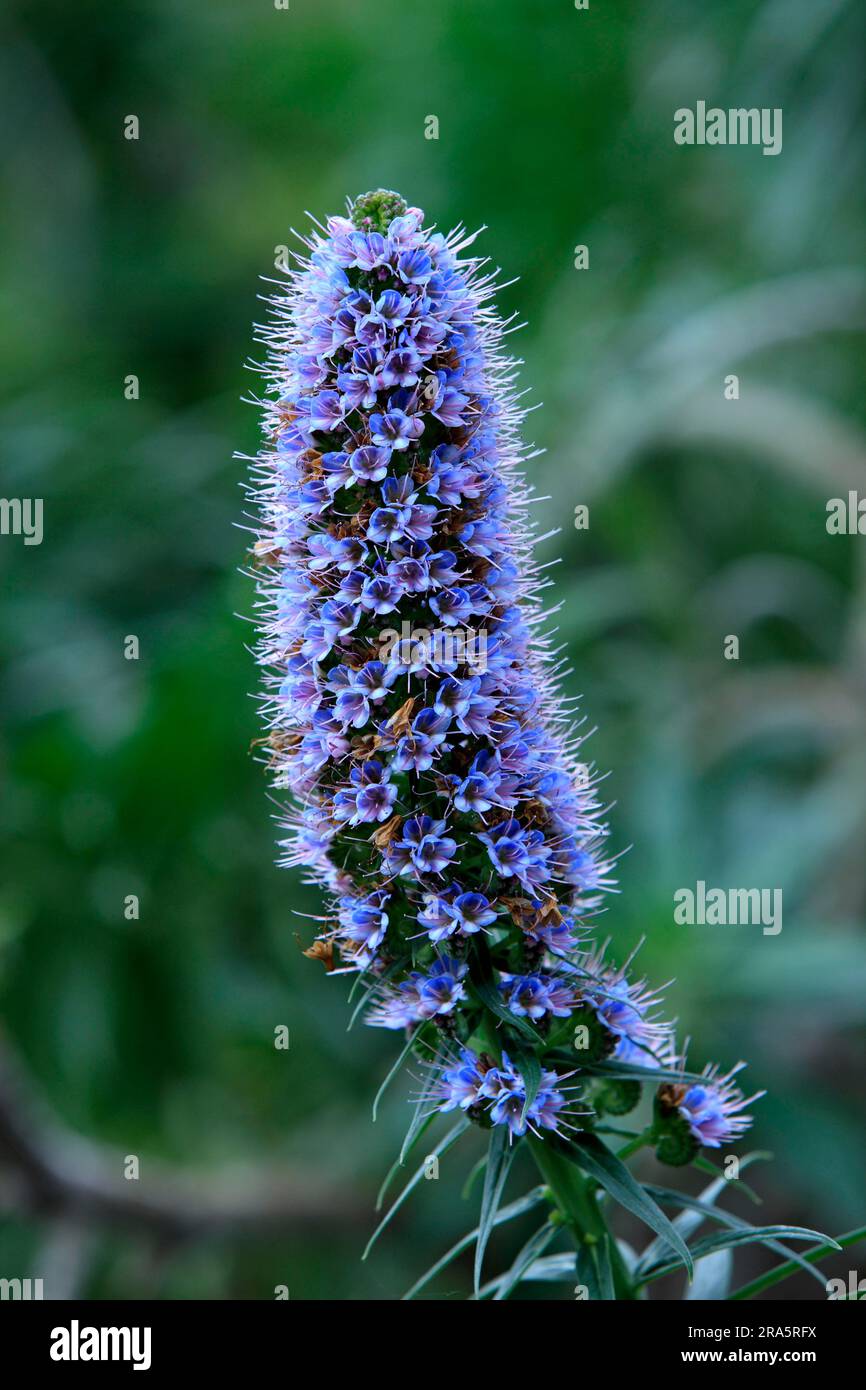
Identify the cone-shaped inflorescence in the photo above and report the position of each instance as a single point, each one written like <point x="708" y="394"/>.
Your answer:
<point x="411" y="700"/>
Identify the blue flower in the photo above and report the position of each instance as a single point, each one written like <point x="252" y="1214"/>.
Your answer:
<point x="395" y="371"/>
<point x="713" y="1107"/>
<point x="371" y="797"/>
<point x="368" y="463"/>
<point x="533" y="996"/>
<point x="507" y="849"/>
<point x="435" y="796"/>
<point x="433" y="995"/>
<point x="629" y="1010"/>
<point x="461" y="1084"/>
<point x="363" y="924"/>
<point x="395" y="429"/>
<point x="500" y="1091"/>
<point x="471" y="912"/>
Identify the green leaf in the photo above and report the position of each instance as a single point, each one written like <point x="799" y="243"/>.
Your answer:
<point x="633" y="1071"/>
<point x="591" y="1155"/>
<point x="442" y="1147"/>
<point x="703" y="1165"/>
<point x="418" y="1125"/>
<point x="698" y="1209"/>
<point x="594" y="1270"/>
<point x="530" y="1069"/>
<point x="515" y="1209"/>
<point x="418" y="1116"/>
<point x="499" y="1158"/>
<point x="724" y="1240"/>
<point x="552" y="1269"/>
<point x="692" y="1215"/>
<point x="527" y="1256"/>
<point x="574" y="1194"/>
<point x="398" y="1162"/>
<point x="474" y="1173"/>
<point x="782" y="1272"/>
<point x="413" y="1038"/>
<point x="359" y="1007"/>
<point x="362" y="983"/>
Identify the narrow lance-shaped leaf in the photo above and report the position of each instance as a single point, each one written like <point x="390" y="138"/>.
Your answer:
<point x="442" y="1147"/>
<point x="591" y="1155"/>
<point x="509" y="1213"/>
<point x="594" y="1270"/>
<point x="723" y="1240"/>
<point x="534" y="1247"/>
<point x="783" y="1272"/>
<point x="499" y="1158"/>
<point x="695" y="1212"/>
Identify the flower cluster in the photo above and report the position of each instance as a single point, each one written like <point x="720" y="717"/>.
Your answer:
<point x="439" y="800"/>
<point x="479" y="1085"/>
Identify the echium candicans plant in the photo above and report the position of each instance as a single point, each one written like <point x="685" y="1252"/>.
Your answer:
<point x="438" y="792"/>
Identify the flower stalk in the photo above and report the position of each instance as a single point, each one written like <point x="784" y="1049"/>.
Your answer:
<point x="439" y="792"/>
<point x="575" y="1198"/>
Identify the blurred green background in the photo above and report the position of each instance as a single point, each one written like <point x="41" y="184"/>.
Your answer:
<point x="155" y="1037"/>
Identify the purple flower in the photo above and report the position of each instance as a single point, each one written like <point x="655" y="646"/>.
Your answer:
<point x="415" y="267"/>
<point x="369" y="463"/>
<point x="533" y="996"/>
<point x="372" y="793"/>
<point x="363" y="924"/>
<point x="452" y="606"/>
<point x="435" y="994"/>
<point x="401" y="367"/>
<point x="442" y="990"/>
<point x="424" y="847"/>
<point x="507" y="850"/>
<point x="461" y="1084"/>
<point x="501" y="1092"/>
<point x="326" y="412"/>
<point x="381" y="594"/>
<point x="713" y="1107"/>
<point x="629" y="1010"/>
<point x="435" y="797"/>
<point x="471" y="912"/>
<point x="395" y="429"/>
<point x="388" y="524"/>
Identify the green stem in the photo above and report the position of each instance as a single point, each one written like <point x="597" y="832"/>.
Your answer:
<point x="487" y="1031"/>
<point x="633" y="1145"/>
<point x="576" y="1202"/>
<point x="572" y="1192"/>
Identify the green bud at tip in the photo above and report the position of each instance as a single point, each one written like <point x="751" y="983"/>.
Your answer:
<point x="374" y="211"/>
